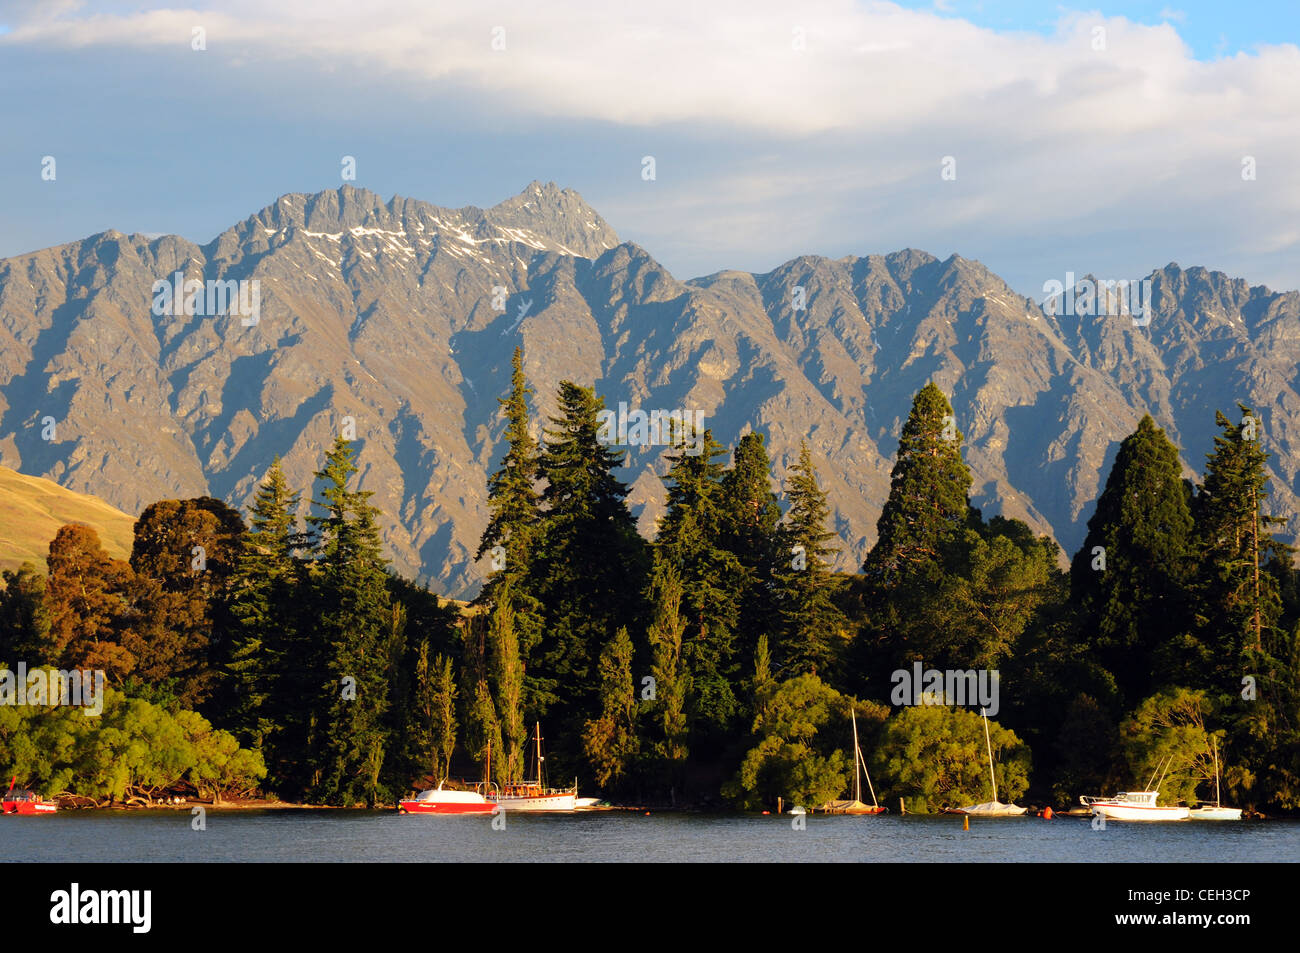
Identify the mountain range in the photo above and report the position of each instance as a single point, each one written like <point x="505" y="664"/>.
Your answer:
<point x="396" y="321"/>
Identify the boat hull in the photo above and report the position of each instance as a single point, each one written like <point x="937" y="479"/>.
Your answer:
<point x="29" y="807"/>
<point x="419" y="807"/>
<point x="1216" y="814"/>
<point x="439" y="801"/>
<point x="852" y="807"/>
<point x="1132" y="812"/>
<point x="537" y="802"/>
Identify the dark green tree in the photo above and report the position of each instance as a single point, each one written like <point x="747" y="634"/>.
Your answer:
<point x="24" y="618"/>
<point x="712" y="583"/>
<point x="750" y="531"/>
<point x="814" y="630"/>
<point x="588" y="570"/>
<point x="514" y="523"/>
<point x="351" y="622"/>
<point x="1130" y="577"/>
<point x="267" y="670"/>
<point x="929" y="493"/>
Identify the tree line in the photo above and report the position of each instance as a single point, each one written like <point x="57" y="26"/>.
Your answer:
<point x="718" y="662"/>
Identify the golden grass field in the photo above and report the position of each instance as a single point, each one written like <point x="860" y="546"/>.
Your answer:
<point x="33" y="509"/>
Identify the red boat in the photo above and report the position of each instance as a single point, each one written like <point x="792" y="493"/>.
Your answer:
<point x="24" y="802"/>
<point x="438" y="801"/>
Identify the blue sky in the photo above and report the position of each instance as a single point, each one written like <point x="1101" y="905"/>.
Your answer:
<point x="777" y="129"/>
<point x="1212" y="28"/>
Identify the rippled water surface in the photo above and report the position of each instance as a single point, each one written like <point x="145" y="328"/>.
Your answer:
<point x="329" y="836"/>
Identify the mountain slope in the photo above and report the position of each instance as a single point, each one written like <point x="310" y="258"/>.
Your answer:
<point x="398" y="319"/>
<point x="33" y="509"/>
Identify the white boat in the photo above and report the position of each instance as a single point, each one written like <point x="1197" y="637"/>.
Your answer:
<point x="993" y="808"/>
<point x="534" y="795"/>
<point x="1134" y="806"/>
<point x="1216" y="812"/>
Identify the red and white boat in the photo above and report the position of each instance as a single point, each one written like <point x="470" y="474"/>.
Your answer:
<point x="534" y="795"/>
<point x="25" y="802"/>
<point x="445" y="801"/>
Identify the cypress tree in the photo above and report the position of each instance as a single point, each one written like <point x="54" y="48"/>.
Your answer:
<point x="1129" y="577"/>
<point x="929" y="493"/>
<point x="921" y="540"/>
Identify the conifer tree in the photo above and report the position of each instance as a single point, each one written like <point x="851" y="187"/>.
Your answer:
<point x="589" y="567"/>
<point x="712" y="584"/>
<point x="929" y="492"/>
<point x="922" y="536"/>
<point x="263" y="673"/>
<point x="513" y="526"/>
<point x="1129" y="578"/>
<point x="814" y="629"/>
<point x="750" y="531"/>
<point x="352" y="624"/>
<point x="1239" y="599"/>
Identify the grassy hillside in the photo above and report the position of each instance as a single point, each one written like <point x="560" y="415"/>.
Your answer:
<point x="33" y="509"/>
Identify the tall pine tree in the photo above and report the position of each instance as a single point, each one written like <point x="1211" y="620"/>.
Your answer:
<point x="814" y="630"/>
<point x="588" y="570"/>
<point x="351" y="617"/>
<point x="1129" y="578"/>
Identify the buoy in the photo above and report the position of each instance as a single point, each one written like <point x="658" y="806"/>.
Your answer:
<point x="1047" y="812"/>
<point x="767" y="812"/>
<point x="647" y="813"/>
<point x="965" y="822"/>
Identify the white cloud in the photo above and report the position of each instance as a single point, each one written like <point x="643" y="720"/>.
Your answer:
<point x="1050" y="135"/>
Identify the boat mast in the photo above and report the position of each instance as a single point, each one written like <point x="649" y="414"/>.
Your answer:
<point x="1217" y="802"/>
<point x="538" y="731"/>
<point x="857" y="755"/>
<point x="992" y="776"/>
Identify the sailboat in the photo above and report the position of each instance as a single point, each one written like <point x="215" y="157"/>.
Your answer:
<point x="993" y="808"/>
<point x="1218" y="812"/>
<point x="534" y="795"/>
<point x="856" y="806"/>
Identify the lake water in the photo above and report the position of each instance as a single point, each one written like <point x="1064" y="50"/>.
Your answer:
<point x="322" y="835"/>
